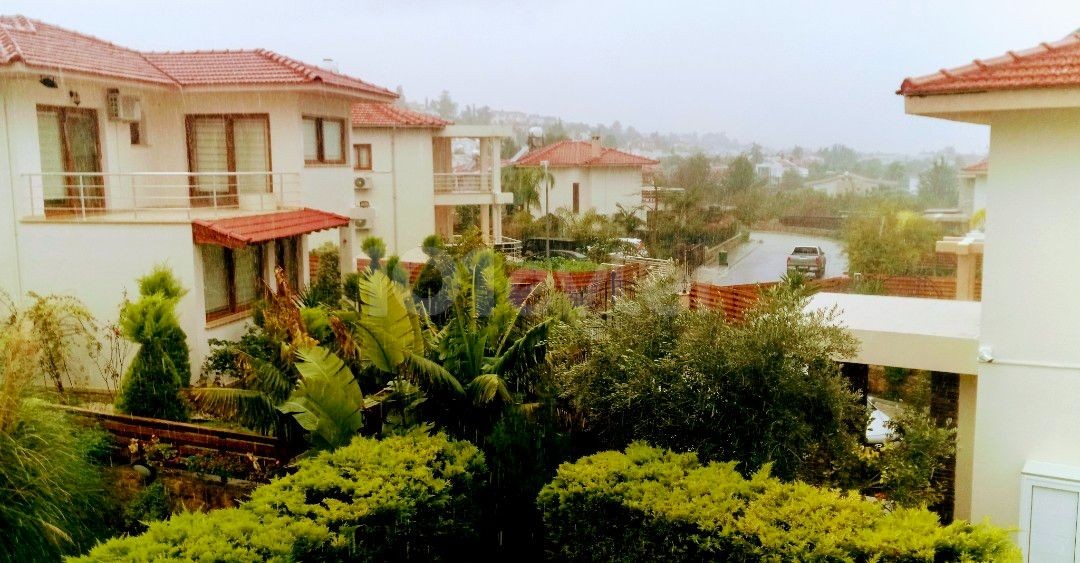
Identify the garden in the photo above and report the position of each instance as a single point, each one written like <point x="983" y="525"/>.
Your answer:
<point x="441" y="419"/>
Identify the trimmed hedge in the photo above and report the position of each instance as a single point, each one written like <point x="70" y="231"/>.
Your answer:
<point x="402" y="498"/>
<point x="650" y="504"/>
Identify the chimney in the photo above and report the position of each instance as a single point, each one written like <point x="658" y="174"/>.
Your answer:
<point x="595" y="147"/>
<point x="330" y="64"/>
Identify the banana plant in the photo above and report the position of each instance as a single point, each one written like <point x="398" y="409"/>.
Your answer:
<point x="327" y="402"/>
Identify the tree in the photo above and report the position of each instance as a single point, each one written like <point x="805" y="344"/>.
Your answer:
<point x="766" y="390"/>
<point x="938" y="186"/>
<point x="896" y="172"/>
<point x="739" y="176"/>
<point x="161" y="367"/>
<point x="695" y="174"/>
<point x="526" y="183"/>
<point x="890" y="241"/>
<point x="791" y="180"/>
<point x="445" y="106"/>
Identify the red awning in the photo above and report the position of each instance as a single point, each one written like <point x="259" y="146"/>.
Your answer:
<point x="237" y="232"/>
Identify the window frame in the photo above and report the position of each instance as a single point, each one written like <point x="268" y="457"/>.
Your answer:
<point x="232" y="197"/>
<point x="72" y="195"/>
<point x="366" y="147"/>
<point x="233" y="308"/>
<point x="320" y="141"/>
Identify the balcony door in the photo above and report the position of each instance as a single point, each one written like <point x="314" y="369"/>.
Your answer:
<point x="221" y="148"/>
<point x="70" y="159"/>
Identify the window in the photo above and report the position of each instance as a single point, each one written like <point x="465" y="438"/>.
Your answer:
<point x="324" y="140"/>
<point x="363" y="157"/>
<point x="220" y="144"/>
<point x="68" y="145"/>
<point x="577" y="197"/>
<point x="135" y="130"/>
<point x="288" y="250"/>
<point x="231" y="279"/>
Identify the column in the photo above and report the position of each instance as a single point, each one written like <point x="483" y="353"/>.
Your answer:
<point x="304" y="260"/>
<point x="965" y="277"/>
<point x="485" y="222"/>
<point x="270" y="259"/>
<point x="347" y="250"/>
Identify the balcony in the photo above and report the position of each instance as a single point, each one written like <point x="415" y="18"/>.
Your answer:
<point x="468" y="188"/>
<point x="158" y="196"/>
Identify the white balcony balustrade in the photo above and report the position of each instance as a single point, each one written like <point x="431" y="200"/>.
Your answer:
<point x="463" y="182"/>
<point x="158" y="196"/>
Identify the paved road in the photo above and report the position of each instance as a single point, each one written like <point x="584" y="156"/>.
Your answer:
<point x="764" y="259"/>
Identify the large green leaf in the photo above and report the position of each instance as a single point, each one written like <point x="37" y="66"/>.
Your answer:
<point x="488" y="387"/>
<point x="328" y="401"/>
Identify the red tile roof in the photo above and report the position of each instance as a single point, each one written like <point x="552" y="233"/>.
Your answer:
<point x="1049" y="65"/>
<point x="983" y="166"/>
<point x="238" y="232"/>
<point x="580" y="153"/>
<point x="48" y="47"/>
<point x="371" y="114"/>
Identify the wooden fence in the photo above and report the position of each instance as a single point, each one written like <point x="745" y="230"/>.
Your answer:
<point x="591" y="289"/>
<point x="734" y="300"/>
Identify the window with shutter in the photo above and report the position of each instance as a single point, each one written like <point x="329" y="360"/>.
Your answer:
<point x="219" y="146"/>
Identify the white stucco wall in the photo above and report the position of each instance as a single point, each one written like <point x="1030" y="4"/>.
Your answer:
<point x="601" y="189"/>
<point x="1030" y="312"/>
<point x="97" y="262"/>
<point x="403" y="187"/>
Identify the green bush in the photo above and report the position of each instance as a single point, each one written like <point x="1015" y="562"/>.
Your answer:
<point x="405" y="497"/>
<point x="325" y="288"/>
<point x="649" y="504"/>
<point x="149" y="505"/>
<point x="152" y="384"/>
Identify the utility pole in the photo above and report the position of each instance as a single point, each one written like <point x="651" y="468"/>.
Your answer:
<point x="547" y="211"/>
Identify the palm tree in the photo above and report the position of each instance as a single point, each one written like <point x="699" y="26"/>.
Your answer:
<point x="526" y="182"/>
<point x="483" y="342"/>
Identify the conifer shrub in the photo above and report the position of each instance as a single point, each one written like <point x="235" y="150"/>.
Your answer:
<point x="649" y="504"/>
<point x="325" y="288"/>
<point x="406" y="497"/>
<point x="151" y="386"/>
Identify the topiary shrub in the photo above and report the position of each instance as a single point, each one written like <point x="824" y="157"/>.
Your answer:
<point x="649" y="504"/>
<point x="407" y="497"/>
<point x="325" y="288"/>
<point x="162" y="366"/>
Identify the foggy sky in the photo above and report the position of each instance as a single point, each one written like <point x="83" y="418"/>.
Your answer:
<point x="776" y="72"/>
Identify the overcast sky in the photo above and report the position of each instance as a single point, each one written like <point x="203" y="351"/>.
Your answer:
<point x="780" y="73"/>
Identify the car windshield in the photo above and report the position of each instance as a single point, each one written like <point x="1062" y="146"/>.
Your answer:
<point x="805" y="250"/>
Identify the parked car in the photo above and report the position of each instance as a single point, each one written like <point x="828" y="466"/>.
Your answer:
<point x="807" y="259"/>
<point x="568" y="254"/>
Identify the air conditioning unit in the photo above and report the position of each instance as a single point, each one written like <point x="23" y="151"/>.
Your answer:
<point x="123" y="107"/>
<point x="362" y="215"/>
<point x="363" y="182"/>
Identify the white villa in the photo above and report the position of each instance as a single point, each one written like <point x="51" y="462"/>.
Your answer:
<point x="407" y="182"/>
<point x="221" y="164"/>
<point x="849" y="183"/>
<point x="589" y="175"/>
<point x="973" y="187"/>
<point x="772" y="169"/>
<point x="1011" y="362"/>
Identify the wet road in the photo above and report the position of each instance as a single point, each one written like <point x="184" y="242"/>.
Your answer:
<point x="764" y="259"/>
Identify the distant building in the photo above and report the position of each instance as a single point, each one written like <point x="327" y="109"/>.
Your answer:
<point x="848" y="183"/>
<point x="973" y="187"/>
<point x="772" y="169"/>
<point x="589" y="175"/>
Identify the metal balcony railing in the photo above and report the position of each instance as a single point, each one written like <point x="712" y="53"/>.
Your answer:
<point x="151" y="196"/>
<point x="462" y="182"/>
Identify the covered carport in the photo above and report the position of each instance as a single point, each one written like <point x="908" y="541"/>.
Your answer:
<point x="937" y="335"/>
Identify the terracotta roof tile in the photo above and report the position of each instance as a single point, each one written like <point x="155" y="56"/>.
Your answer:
<point x="390" y="115"/>
<point x="1049" y="65"/>
<point x="982" y="166"/>
<point x="580" y="153"/>
<point x="45" y="46"/>
<point x="237" y="232"/>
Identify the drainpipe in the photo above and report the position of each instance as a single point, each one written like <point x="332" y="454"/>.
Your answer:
<point x="393" y="188"/>
<point x="14" y="204"/>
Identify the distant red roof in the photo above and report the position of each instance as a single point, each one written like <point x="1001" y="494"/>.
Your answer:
<point x="1049" y="65"/>
<point x="981" y="167"/>
<point x="238" y="232"/>
<point x="580" y="153"/>
<point x="371" y="114"/>
<point x="48" y="47"/>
